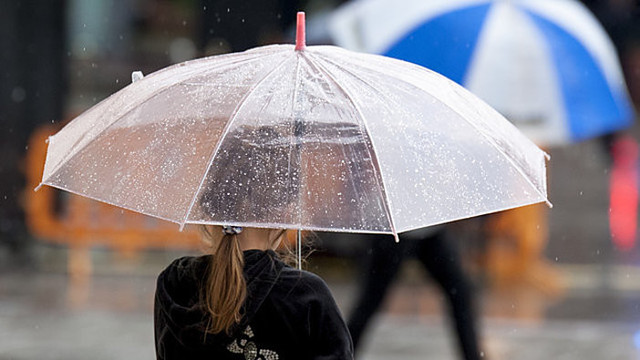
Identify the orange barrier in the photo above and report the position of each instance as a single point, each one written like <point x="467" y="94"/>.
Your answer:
<point x="515" y="249"/>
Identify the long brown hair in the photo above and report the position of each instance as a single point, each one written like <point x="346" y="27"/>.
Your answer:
<point x="238" y="187"/>
<point x="225" y="289"/>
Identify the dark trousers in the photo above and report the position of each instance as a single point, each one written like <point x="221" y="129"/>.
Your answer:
<point x="440" y="260"/>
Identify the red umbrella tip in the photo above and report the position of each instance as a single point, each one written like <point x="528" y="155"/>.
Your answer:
<point x="300" y="32"/>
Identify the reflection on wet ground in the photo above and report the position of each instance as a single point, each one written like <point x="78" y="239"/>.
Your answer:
<point x="46" y="315"/>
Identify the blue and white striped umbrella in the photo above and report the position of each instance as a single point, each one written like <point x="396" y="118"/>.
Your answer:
<point x="547" y="65"/>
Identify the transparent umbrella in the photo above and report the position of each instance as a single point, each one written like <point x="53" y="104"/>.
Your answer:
<point x="311" y="138"/>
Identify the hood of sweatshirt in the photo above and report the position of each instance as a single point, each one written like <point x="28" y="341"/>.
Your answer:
<point x="178" y="295"/>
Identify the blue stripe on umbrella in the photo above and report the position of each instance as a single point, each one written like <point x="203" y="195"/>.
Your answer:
<point x="591" y="106"/>
<point x="445" y="43"/>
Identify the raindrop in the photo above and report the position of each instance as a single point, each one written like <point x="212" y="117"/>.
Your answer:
<point x="228" y="10"/>
<point x="117" y="81"/>
<point x="182" y="49"/>
<point x="18" y="94"/>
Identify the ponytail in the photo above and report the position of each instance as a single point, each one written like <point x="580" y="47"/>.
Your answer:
<point x="225" y="288"/>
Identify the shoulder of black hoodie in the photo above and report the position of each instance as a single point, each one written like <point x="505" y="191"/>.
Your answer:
<point x="186" y="269"/>
<point x="184" y="274"/>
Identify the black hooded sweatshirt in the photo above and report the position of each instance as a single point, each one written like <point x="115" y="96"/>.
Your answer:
<point x="288" y="314"/>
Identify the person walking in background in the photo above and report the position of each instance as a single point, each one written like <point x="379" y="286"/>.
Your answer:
<point x="440" y="260"/>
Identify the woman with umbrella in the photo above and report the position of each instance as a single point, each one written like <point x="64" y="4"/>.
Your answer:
<point x="242" y="299"/>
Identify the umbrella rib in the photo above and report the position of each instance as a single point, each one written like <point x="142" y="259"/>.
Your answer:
<point x="299" y="146"/>
<point x="225" y="132"/>
<point x="372" y="156"/>
<point x="478" y="129"/>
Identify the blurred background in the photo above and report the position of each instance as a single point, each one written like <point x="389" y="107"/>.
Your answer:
<point x="77" y="277"/>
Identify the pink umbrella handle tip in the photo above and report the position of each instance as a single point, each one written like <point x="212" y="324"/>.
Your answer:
<point x="300" y="32"/>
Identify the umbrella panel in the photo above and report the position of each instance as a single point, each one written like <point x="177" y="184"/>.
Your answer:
<point x="303" y="169"/>
<point x="138" y="146"/>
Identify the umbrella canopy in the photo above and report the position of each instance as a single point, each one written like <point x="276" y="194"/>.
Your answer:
<point x="547" y="65"/>
<point x="312" y="138"/>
